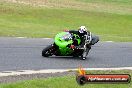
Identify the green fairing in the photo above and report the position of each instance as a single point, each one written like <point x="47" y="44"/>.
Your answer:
<point x="62" y="40"/>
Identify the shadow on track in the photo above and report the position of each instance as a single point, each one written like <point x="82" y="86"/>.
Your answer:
<point x="67" y="58"/>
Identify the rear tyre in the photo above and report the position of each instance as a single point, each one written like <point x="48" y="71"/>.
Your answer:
<point x="95" y="39"/>
<point x="48" y="51"/>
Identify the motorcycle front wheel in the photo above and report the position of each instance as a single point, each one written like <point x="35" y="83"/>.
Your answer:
<point x="48" y="51"/>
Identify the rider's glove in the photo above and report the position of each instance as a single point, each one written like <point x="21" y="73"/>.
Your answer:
<point x="72" y="47"/>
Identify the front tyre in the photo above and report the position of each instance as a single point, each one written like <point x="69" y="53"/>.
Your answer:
<point x="48" y="51"/>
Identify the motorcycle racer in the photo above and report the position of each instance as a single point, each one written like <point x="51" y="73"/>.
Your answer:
<point x="82" y="31"/>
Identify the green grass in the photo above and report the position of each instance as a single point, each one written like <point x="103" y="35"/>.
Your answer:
<point x="46" y="21"/>
<point x="109" y="1"/>
<point x="67" y="82"/>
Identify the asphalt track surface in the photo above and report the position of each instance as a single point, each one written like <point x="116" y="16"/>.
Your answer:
<point x="25" y="54"/>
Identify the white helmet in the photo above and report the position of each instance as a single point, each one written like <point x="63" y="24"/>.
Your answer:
<point x="82" y="29"/>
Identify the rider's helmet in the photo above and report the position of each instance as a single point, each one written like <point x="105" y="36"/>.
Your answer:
<point x="82" y="29"/>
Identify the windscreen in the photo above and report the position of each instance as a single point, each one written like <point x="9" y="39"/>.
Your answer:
<point x="67" y="37"/>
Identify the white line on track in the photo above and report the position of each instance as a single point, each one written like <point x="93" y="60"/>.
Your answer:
<point x="29" y="38"/>
<point x="21" y="37"/>
<point x="109" y="41"/>
<point x="26" y="72"/>
<point x="45" y="38"/>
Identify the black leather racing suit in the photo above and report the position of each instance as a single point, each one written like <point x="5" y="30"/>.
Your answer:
<point x="81" y="35"/>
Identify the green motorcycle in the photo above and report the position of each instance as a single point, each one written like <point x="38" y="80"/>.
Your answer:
<point x="61" y="46"/>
